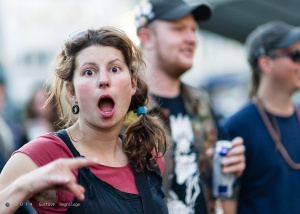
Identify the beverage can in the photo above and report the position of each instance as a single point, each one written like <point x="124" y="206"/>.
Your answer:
<point x="222" y="183"/>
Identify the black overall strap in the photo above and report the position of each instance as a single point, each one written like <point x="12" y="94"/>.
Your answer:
<point x="144" y="189"/>
<point x="145" y="192"/>
<point x="62" y="134"/>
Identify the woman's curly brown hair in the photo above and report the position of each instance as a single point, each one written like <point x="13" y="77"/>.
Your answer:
<point x="145" y="139"/>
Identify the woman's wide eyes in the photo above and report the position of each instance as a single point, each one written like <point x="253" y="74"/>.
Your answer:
<point x="115" y="69"/>
<point x="89" y="72"/>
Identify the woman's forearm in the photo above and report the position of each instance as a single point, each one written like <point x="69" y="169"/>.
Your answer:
<point x="12" y="197"/>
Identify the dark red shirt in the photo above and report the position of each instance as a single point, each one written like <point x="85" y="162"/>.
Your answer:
<point x="50" y="147"/>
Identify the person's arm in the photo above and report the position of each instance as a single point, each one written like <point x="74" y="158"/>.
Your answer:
<point x="16" y="166"/>
<point x="229" y="206"/>
<point x="234" y="162"/>
<point x="57" y="174"/>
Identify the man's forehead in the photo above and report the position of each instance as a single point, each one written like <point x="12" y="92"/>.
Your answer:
<point x="186" y="20"/>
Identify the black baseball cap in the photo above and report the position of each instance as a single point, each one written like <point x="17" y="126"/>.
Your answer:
<point x="168" y="10"/>
<point x="270" y="36"/>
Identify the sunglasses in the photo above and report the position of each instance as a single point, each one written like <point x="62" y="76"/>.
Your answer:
<point x="294" y="55"/>
<point x="80" y="32"/>
<point x="85" y="31"/>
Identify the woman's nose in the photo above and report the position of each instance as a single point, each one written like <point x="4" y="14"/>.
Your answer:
<point x="103" y="80"/>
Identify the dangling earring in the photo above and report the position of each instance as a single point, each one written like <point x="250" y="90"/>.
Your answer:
<point x="75" y="108"/>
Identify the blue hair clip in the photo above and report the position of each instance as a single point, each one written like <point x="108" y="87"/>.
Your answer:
<point x="141" y="110"/>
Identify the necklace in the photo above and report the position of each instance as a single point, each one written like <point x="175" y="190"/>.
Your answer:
<point x="275" y="132"/>
<point x="69" y="132"/>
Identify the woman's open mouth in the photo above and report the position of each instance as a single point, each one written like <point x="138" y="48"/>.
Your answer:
<point x="106" y="106"/>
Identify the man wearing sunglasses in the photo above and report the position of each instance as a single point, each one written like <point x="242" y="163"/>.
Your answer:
<point x="270" y="122"/>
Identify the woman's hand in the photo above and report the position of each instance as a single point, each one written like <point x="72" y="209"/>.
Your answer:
<point x="55" y="175"/>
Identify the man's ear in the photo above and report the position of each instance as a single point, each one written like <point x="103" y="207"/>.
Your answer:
<point x="71" y="91"/>
<point x="145" y="37"/>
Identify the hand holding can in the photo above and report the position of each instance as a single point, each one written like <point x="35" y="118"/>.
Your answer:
<point x="222" y="183"/>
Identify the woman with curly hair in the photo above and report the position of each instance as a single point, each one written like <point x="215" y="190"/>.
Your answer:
<point x="97" y="82"/>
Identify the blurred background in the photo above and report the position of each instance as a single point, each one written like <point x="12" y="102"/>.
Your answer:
<point x="32" y="31"/>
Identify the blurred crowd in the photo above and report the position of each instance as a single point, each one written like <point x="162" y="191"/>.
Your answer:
<point x="33" y="120"/>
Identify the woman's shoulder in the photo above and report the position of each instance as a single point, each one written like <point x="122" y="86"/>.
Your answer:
<point x="160" y="160"/>
<point x="42" y="143"/>
<point x="45" y="148"/>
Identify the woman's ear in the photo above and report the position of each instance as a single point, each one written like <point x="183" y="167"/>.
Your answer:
<point x="134" y="84"/>
<point x="71" y="91"/>
<point x="265" y="63"/>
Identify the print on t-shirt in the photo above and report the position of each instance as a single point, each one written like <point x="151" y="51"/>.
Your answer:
<point x="185" y="195"/>
<point x="185" y="171"/>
